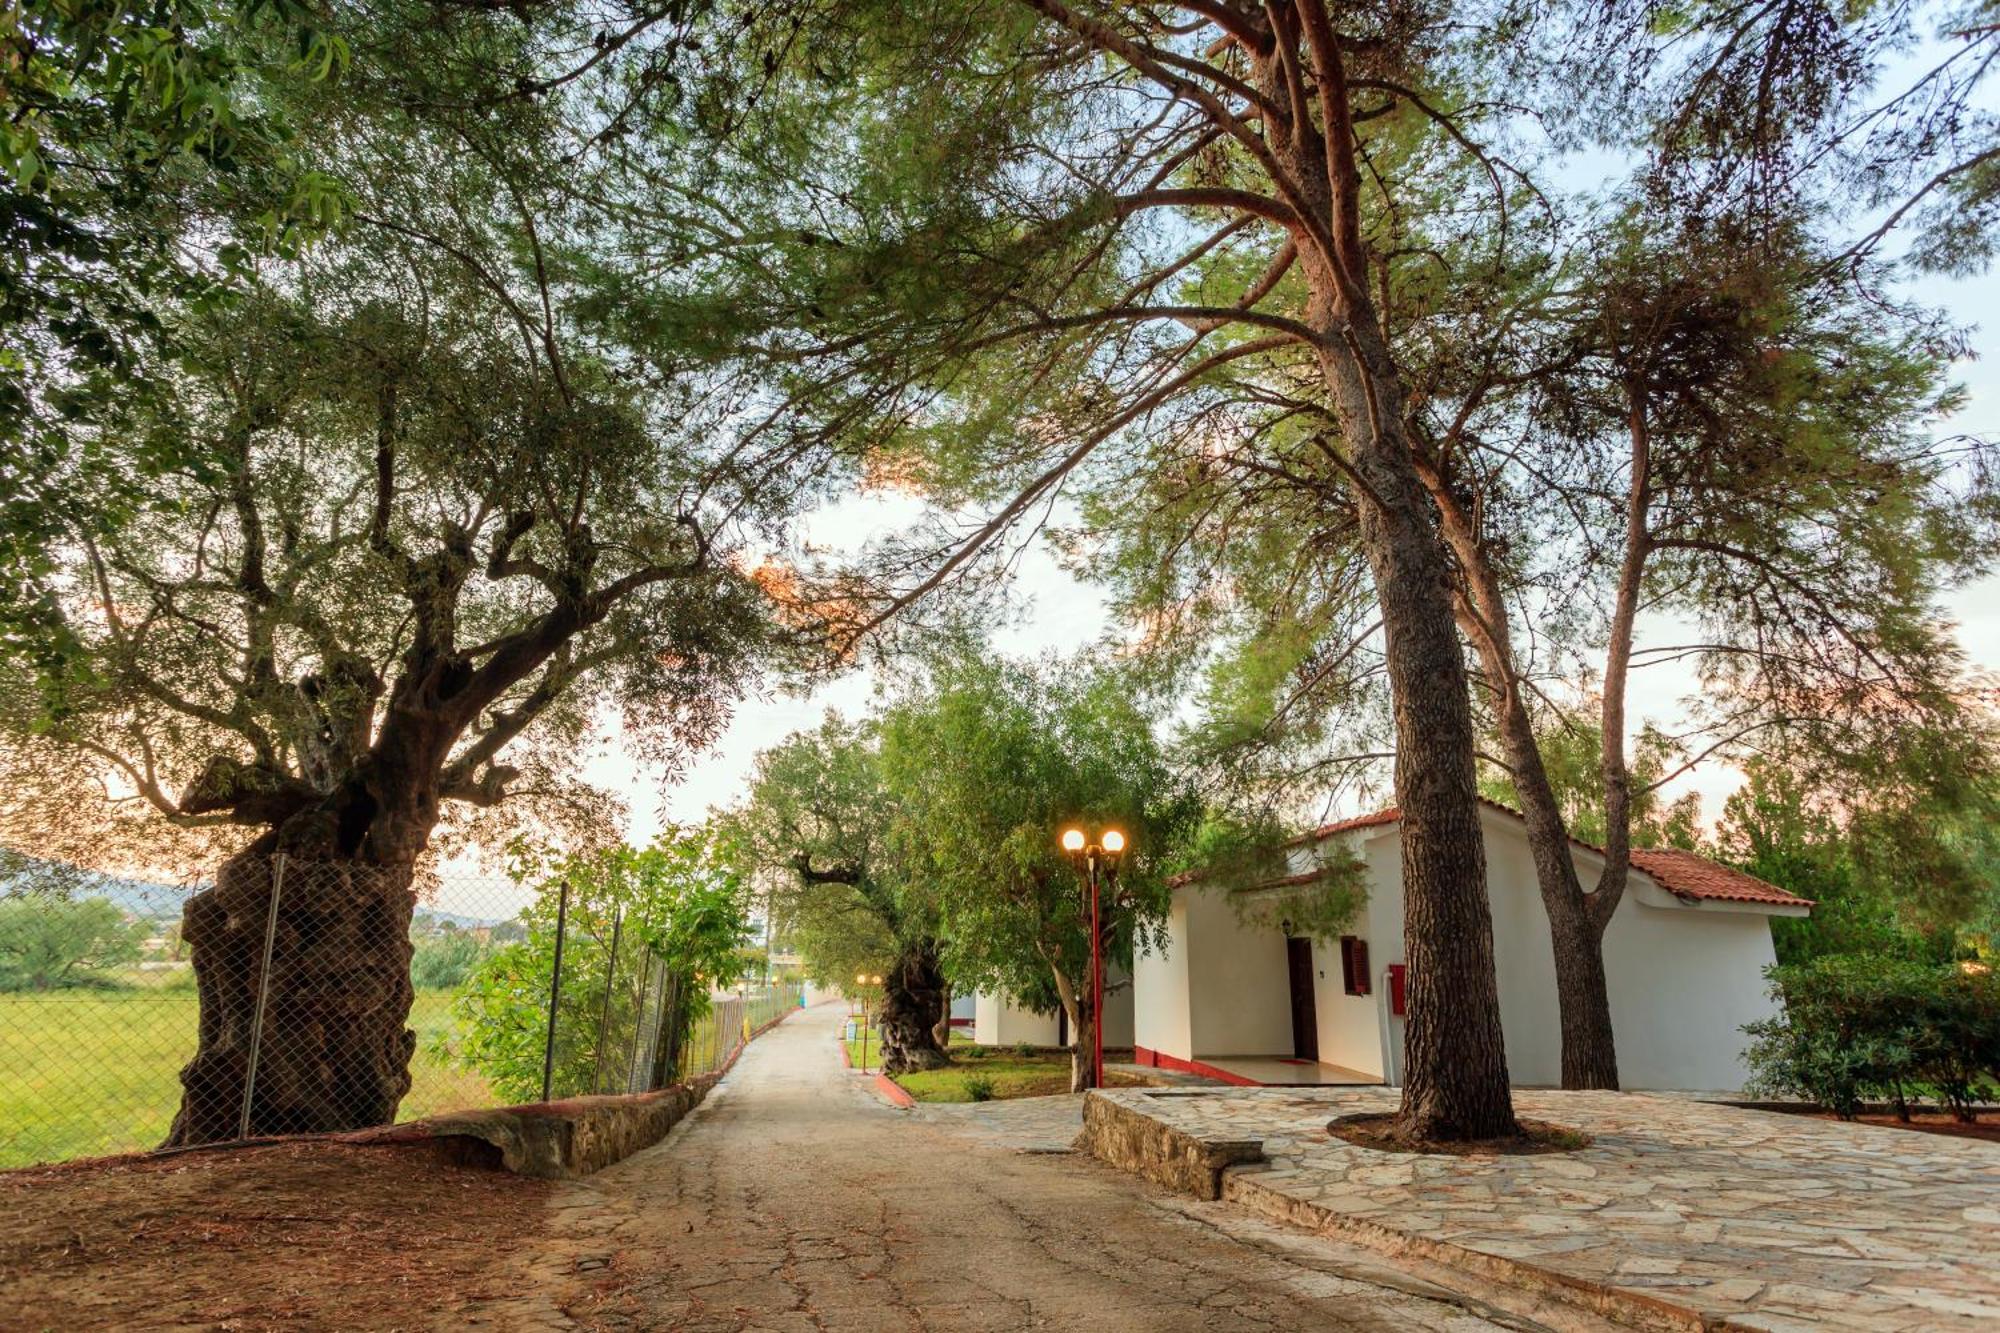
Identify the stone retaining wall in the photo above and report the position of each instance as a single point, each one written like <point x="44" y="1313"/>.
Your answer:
<point x="1132" y="1141"/>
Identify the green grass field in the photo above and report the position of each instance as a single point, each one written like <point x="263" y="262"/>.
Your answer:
<point x="1041" y="1073"/>
<point x="85" y="1072"/>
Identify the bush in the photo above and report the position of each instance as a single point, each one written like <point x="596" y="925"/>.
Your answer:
<point x="1857" y="1027"/>
<point x="978" y="1087"/>
<point x="443" y="961"/>
<point x="52" y="943"/>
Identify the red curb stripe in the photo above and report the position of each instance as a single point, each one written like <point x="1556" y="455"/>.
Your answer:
<point x="893" y="1090"/>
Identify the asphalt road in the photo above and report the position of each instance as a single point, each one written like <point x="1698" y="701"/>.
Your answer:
<point x="794" y="1198"/>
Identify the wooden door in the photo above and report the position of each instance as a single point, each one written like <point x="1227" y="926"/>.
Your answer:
<point x="1305" y="1018"/>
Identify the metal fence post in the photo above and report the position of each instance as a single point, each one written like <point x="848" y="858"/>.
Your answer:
<point x="638" y="1017"/>
<point x="263" y="994"/>
<point x="555" y="990"/>
<point x="604" y="1012"/>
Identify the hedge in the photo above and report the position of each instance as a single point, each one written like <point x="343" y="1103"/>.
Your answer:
<point x="1858" y="1028"/>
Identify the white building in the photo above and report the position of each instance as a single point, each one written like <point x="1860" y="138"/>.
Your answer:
<point x="1685" y="955"/>
<point x="997" y="1021"/>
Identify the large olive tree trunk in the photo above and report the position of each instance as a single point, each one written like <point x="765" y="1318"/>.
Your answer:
<point x="942" y="1032"/>
<point x="334" y="1048"/>
<point x="913" y="995"/>
<point x="335" y="1043"/>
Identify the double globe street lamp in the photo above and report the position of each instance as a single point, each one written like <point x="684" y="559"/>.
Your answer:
<point x="1095" y="860"/>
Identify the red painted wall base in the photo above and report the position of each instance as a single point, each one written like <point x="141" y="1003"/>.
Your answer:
<point x="1153" y="1059"/>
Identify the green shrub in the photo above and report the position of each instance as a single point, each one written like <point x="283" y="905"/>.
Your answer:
<point x="444" y="960"/>
<point x="56" y="943"/>
<point x="978" y="1087"/>
<point x="1024" y="1049"/>
<point x="1856" y="1027"/>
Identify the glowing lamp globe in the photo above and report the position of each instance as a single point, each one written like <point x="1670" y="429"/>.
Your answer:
<point x="1114" y="841"/>
<point x="1072" y="840"/>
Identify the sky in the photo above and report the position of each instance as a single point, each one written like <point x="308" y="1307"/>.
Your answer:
<point x="1061" y="613"/>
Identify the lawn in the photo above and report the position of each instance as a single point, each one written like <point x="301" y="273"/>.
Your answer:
<point x="96" y="1071"/>
<point x="1037" y="1071"/>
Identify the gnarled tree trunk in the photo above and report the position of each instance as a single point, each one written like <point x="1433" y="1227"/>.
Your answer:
<point x="1074" y="995"/>
<point x="913" y="995"/>
<point x="335" y="1044"/>
<point x="942" y="1032"/>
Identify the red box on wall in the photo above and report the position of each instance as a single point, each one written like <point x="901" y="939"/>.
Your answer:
<point x="1396" y="989"/>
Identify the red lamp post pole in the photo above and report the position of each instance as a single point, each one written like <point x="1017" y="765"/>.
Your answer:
<point x="1096" y="984"/>
<point x="1084" y="855"/>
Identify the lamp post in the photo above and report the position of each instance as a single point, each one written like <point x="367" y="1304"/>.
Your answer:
<point x="1089" y="857"/>
<point x="865" y="981"/>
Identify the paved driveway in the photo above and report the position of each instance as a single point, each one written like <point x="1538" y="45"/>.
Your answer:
<point x="795" y="1199"/>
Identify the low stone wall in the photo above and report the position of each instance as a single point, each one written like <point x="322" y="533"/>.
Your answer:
<point x="1134" y="1142"/>
<point x="551" y="1140"/>
<point x="558" y="1140"/>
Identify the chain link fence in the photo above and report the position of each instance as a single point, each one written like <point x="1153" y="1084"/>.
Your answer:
<point x="294" y="996"/>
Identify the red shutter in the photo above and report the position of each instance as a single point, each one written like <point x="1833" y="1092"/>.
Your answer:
<point x="1354" y="964"/>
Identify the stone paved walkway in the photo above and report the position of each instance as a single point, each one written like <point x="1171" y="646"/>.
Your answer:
<point x="1026" y="1124"/>
<point x="794" y="1199"/>
<point x="1773" y="1222"/>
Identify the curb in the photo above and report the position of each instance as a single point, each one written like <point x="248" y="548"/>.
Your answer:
<point x="562" y="1139"/>
<point x="1228" y="1169"/>
<point x="1629" y="1308"/>
<point x="893" y="1092"/>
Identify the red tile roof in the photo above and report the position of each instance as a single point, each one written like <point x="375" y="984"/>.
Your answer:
<point x="1684" y="874"/>
<point x="1693" y="875"/>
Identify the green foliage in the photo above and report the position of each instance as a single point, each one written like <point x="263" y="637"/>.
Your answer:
<point x="558" y="486"/>
<point x="813" y="833"/>
<point x="442" y="960"/>
<point x="1250" y="859"/>
<point x="1859" y="1027"/>
<point x="1898" y="852"/>
<point x="1573" y="754"/>
<point x="48" y="943"/>
<point x="987" y="761"/>
<point x="978" y="1087"/>
<point x="676" y="908"/>
<point x="145" y="153"/>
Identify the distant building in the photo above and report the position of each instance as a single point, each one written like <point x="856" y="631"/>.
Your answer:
<point x="998" y="1021"/>
<point x="1685" y="955"/>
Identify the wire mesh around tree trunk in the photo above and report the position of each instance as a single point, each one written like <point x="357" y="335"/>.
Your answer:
<point x="297" y="996"/>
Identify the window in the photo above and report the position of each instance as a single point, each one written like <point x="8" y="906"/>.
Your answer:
<point x="1354" y="964"/>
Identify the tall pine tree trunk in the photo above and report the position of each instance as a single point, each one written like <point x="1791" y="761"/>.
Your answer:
<point x="1576" y="933"/>
<point x="1455" y="1083"/>
<point x="1576" y="930"/>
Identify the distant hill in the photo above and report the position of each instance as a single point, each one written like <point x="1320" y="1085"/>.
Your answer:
<point x="21" y="873"/>
<point x="154" y="901"/>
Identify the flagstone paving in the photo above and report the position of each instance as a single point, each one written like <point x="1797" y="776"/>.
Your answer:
<point x="1770" y="1221"/>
